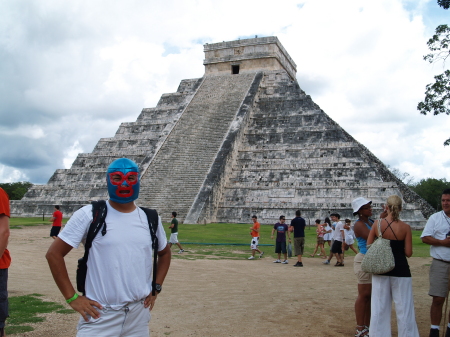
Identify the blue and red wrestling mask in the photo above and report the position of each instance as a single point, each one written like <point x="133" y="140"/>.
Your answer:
<point x="122" y="177"/>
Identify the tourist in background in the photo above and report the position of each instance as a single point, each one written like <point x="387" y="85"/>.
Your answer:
<point x="280" y="242"/>
<point x="349" y="235"/>
<point x="319" y="244"/>
<point x="328" y="231"/>
<point x="437" y="234"/>
<point x="363" y="208"/>
<point x="298" y="225"/>
<point x="338" y="240"/>
<point x="174" y="233"/>
<point x="254" y="232"/>
<point x="57" y="222"/>
<point x="395" y="285"/>
<point x="5" y="260"/>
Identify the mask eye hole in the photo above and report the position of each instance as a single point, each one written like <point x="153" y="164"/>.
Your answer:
<point x="115" y="178"/>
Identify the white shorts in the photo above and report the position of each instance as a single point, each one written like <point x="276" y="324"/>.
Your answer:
<point x="173" y="238"/>
<point x="254" y="243"/>
<point x="349" y="241"/>
<point x="131" y="320"/>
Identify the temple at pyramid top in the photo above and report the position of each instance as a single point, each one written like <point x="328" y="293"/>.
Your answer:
<point x="244" y="139"/>
<point x="249" y="55"/>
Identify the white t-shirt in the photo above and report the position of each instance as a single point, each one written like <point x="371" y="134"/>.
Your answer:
<point x="328" y="236"/>
<point x="438" y="225"/>
<point x="349" y="236"/>
<point x="337" y="234"/>
<point x="120" y="262"/>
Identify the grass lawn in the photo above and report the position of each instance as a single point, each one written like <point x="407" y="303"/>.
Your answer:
<point x="20" y="222"/>
<point x="232" y="241"/>
<point x="24" y="310"/>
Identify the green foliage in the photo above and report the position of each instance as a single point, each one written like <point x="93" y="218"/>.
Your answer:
<point x="439" y="44"/>
<point x="444" y="3"/>
<point x="437" y="94"/>
<point x="23" y="310"/>
<point x="16" y="190"/>
<point x="431" y="190"/>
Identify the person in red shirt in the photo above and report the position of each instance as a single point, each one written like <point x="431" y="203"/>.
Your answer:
<point x="57" y="220"/>
<point x="5" y="260"/>
<point x="254" y="232"/>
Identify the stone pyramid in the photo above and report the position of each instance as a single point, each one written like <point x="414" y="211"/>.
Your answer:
<point x="244" y="139"/>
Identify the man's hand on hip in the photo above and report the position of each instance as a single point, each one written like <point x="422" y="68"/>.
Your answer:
<point x="85" y="307"/>
<point x="150" y="301"/>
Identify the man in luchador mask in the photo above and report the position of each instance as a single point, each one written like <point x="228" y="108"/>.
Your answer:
<point x="118" y="283"/>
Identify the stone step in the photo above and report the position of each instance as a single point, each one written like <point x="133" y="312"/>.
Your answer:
<point x="178" y="170"/>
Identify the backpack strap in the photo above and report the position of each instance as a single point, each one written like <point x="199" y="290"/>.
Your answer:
<point x="152" y="218"/>
<point x="99" y="211"/>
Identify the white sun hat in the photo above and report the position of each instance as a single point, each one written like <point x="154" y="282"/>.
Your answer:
<point x="358" y="203"/>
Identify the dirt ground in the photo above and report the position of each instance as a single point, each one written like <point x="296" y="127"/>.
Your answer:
<point x="222" y="297"/>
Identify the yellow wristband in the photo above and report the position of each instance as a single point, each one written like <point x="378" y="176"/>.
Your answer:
<point x="73" y="298"/>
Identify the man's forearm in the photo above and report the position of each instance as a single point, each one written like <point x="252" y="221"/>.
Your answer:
<point x="55" y="258"/>
<point x="429" y="240"/>
<point x="4" y="233"/>
<point x="59" y="271"/>
<point x="164" y="258"/>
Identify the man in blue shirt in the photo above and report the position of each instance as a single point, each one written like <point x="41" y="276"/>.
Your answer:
<point x="298" y="225"/>
<point x="280" y="244"/>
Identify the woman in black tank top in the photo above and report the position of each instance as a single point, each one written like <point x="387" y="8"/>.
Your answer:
<point x="395" y="285"/>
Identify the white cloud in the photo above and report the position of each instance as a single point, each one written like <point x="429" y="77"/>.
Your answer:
<point x="75" y="70"/>
<point x="10" y="174"/>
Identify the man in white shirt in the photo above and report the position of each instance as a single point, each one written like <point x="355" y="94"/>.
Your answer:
<point x="437" y="234"/>
<point x="119" y="276"/>
<point x="338" y="237"/>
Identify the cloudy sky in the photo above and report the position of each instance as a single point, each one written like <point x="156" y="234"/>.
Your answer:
<point x="72" y="71"/>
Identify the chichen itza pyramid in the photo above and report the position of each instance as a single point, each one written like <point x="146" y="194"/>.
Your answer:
<point x="243" y="139"/>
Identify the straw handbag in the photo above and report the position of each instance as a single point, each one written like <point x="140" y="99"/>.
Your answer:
<point x="378" y="258"/>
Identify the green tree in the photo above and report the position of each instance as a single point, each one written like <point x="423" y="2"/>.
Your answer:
<point x="437" y="94"/>
<point x="16" y="190"/>
<point x="431" y="190"/>
<point x="444" y="3"/>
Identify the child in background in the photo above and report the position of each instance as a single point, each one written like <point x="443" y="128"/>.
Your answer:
<point x="320" y="242"/>
<point x="349" y="236"/>
<point x="328" y="231"/>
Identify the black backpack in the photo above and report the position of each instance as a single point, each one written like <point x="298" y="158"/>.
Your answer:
<point x="99" y="211"/>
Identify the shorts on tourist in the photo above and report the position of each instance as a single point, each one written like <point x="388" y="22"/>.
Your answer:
<point x="55" y="230"/>
<point x="439" y="278"/>
<point x="254" y="242"/>
<point x="131" y="320"/>
<point x="363" y="277"/>
<point x="320" y="240"/>
<point x="280" y="247"/>
<point x="173" y="238"/>
<point x="336" y="247"/>
<point x="299" y="245"/>
<point x="3" y="296"/>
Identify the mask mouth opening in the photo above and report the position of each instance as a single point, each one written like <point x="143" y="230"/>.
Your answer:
<point x="124" y="191"/>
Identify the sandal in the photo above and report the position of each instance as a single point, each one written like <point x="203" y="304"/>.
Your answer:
<point x="312" y="255"/>
<point x="362" y="332"/>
